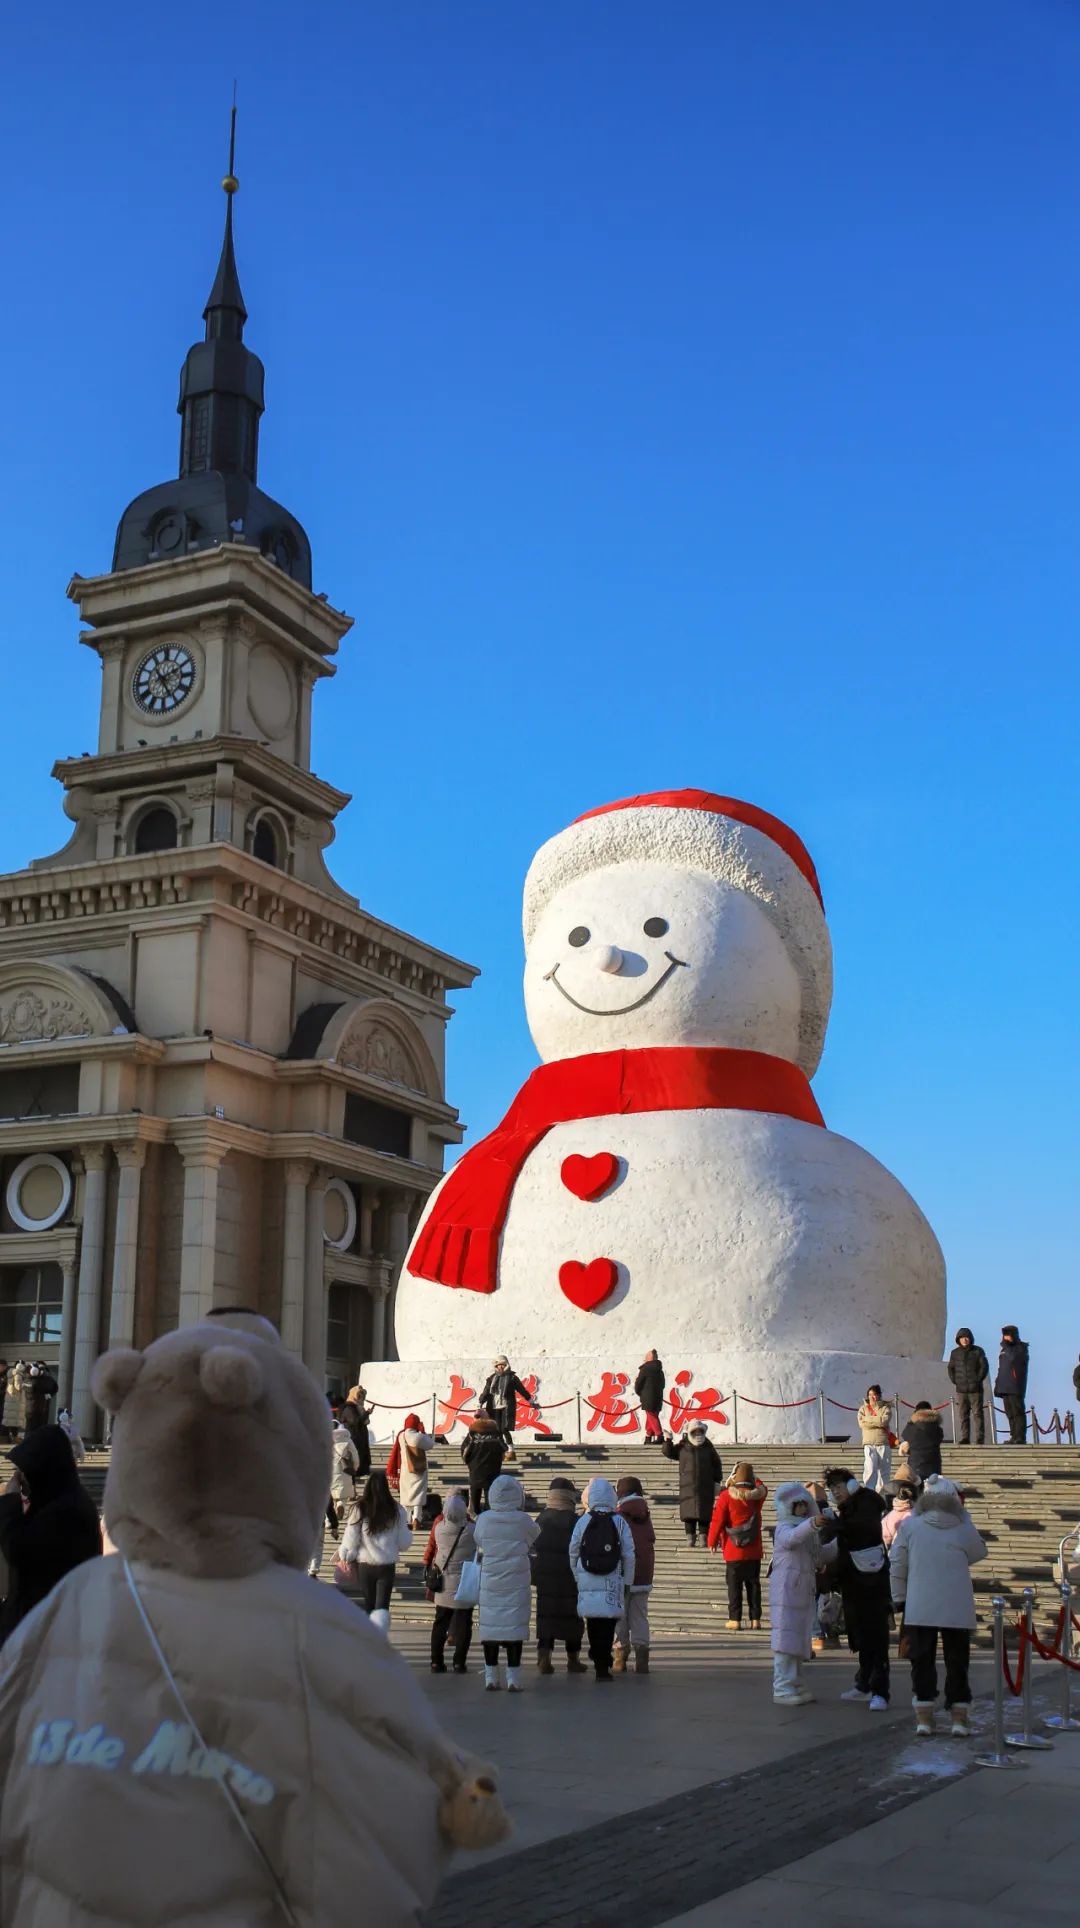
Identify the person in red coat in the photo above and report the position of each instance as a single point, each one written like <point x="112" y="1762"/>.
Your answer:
<point x="735" y="1527"/>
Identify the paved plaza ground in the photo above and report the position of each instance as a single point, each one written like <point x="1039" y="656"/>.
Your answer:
<point x="687" y="1798"/>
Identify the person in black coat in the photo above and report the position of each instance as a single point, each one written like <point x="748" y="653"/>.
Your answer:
<point x="862" y="1575"/>
<point x="483" y="1452"/>
<point x="557" y="1617"/>
<point x="700" y="1473"/>
<point x="923" y="1437"/>
<point x="502" y="1390"/>
<point x="48" y="1522"/>
<point x="969" y="1368"/>
<point x="1011" y="1383"/>
<point x="649" y="1387"/>
<point x="40" y="1388"/>
<point x="1076" y="1379"/>
<point x="354" y="1415"/>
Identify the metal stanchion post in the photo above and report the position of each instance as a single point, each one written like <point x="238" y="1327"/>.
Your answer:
<point x="1028" y="1738"/>
<point x="821" y="1409"/>
<point x="952" y="1413"/>
<point x="434" y="1412"/>
<point x="579" y="1431"/>
<point x="735" y="1421"/>
<point x="999" y="1757"/>
<point x="1064" y="1723"/>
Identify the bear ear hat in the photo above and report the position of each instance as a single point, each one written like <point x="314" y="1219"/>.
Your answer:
<point x="230" y="1377"/>
<point x="114" y="1375"/>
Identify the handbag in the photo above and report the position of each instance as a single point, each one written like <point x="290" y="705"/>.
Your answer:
<point x="434" y="1577"/>
<point x="467" y="1592"/>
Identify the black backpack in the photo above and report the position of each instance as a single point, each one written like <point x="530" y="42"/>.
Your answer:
<point x="600" y="1550"/>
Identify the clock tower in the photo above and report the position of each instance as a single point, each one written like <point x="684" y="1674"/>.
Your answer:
<point x="221" y="1078"/>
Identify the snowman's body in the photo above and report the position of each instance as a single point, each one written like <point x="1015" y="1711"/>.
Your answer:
<point x="739" y="1239"/>
<point x="729" y="1228"/>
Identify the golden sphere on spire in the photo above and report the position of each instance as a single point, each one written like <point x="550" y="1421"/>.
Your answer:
<point x="230" y="183"/>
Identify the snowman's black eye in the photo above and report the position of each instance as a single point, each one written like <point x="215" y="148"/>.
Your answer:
<point x="579" y="936"/>
<point x="653" y="927"/>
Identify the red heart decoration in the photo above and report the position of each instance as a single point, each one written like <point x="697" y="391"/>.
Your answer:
<point x="587" y="1286"/>
<point x="589" y="1178"/>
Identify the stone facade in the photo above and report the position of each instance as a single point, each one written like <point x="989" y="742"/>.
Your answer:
<point x="221" y="1079"/>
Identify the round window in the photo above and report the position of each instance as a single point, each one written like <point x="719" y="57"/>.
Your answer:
<point x="339" y="1216"/>
<point x="39" y="1192"/>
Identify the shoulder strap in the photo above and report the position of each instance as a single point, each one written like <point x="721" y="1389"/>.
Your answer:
<point x="279" y="1891"/>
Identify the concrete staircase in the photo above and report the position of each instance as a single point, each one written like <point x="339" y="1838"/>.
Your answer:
<point x="1023" y="1500"/>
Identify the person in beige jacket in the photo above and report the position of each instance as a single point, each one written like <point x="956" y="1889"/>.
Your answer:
<point x="875" y="1422"/>
<point x="192" y="1731"/>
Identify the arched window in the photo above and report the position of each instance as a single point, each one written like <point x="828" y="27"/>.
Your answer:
<point x="264" y="844"/>
<point x="157" y="829"/>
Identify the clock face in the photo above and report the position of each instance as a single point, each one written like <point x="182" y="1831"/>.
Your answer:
<point x="164" y="679"/>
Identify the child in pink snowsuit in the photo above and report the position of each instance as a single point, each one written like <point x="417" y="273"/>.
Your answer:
<point x="792" y="1591"/>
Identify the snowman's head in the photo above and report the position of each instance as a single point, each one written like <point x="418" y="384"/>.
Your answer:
<point x="674" y="921"/>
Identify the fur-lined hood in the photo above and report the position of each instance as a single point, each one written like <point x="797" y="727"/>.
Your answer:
<point x="789" y="1496"/>
<point x="924" y="1418"/>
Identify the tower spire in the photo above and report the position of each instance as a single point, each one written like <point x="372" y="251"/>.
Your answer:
<point x="225" y="313"/>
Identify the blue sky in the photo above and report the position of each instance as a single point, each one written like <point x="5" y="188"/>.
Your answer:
<point x="675" y="396"/>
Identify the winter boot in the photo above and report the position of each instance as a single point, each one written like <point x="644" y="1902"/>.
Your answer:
<point x="491" y="1680"/>
<point x="641" y="1660"/>
<point x="543" y="1661"/>
<point x="380" y="1617"/>
<point x="959" y="1714"/>
<point x="733" y="1626"/>
<point x="755" y="1626"/>
<point x="575" y="1664"/>
<point x="924" y="1720"/>
<point x="618" y="1660"/>
<point x="513" y="1680"/>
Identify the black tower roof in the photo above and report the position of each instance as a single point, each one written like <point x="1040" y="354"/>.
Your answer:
<point x="215" y="498"/>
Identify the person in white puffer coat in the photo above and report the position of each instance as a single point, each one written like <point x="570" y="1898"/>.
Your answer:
<point x="503" y="1536"/>
<point x="797" y="1553"/>
<point x="602" y="1595"/>
<point x="376" y="1531"/>
<point x="930" y="1566"/>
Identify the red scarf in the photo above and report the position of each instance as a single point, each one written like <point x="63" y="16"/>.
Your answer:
<point x="459" y="1243"/>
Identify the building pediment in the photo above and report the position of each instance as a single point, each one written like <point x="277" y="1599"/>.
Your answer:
<point x="374" y="1038"/>
<point x="40" y="1001"/>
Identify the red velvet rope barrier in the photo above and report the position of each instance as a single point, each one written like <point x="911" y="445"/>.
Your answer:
<point x="1026" y="1641"/>
<point x="779" y="1405"/>
<point x="944" y="1407"/>
<point x="838" y="1403"/>
<point x="1015" y="1686"/>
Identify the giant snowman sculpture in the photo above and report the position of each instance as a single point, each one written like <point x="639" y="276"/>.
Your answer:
<point x="665" y="1178"/>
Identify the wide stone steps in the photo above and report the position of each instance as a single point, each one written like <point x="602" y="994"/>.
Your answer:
<point x="1023" y="1500"/>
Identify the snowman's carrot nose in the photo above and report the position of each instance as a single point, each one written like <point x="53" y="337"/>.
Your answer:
<point x="607" y="957"/>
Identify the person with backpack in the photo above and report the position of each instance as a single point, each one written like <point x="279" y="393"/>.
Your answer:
<point x="735" y="1528"/>
<point x="557" y="1617"/>
<point x="504" y="1535"/>
<point x="862" y="1572"/>
<point x="483" y="1451"/>
<point x="1011" y="1383"/>
<point x="343" y="1478"/>
<point x="450" y="1543"/>
<point x="921" y="1442"/>
<point x="354" y="1415"/>
<point x="969" y="1369"/>
<point x="602" y="1563"/>
<point x="633" y="1628"/>
<point x="407" y="1468"/>
<point x="700" y="1474"/>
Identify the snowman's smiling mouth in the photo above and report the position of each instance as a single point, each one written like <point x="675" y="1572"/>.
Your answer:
<point x="620" y="1010"/>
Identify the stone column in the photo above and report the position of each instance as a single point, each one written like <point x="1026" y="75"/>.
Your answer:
<point x="87" y="1336"/>
<point x="297" y="1173"/>
<point x="398" y="1239"/>
<point x="68" y="1315"/>
<point x="131" y="1159"/>
<point x="198" y="1247"/>
<point x="369" y="1204"/>
<point x="379" y="1296"/>
<point x="315" y="1276"/>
